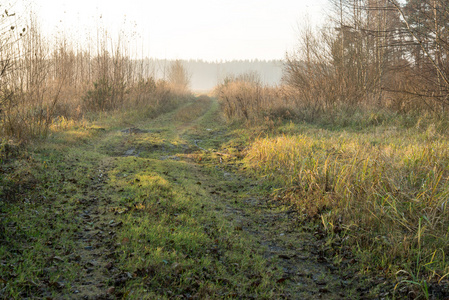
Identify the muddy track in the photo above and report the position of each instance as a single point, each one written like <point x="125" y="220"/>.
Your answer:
<point x="95" y="239"/>
<point x="307" y="272"/>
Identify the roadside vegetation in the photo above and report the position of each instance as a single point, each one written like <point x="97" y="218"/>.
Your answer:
<point x="356" y="137"/>
<point x="381" y="191"/>
<point x="52" y="82"/>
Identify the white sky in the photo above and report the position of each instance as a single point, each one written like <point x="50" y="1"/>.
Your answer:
<point x="187" y="29"/>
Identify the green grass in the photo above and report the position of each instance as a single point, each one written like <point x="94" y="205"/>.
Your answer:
<point x="161" y="235"/>
<point x="40" y="219"/>
<point x="174" y="241"/>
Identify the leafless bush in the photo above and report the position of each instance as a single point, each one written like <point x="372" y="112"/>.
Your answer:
<point x="42" y="81"/>
<point x="244" y="97"/>
<point x="178" y="78"/>
<point x="373" y="54"/>
<point x="30" y="92"/>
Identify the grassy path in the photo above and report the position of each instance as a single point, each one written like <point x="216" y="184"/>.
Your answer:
<point x="156" y="210"/>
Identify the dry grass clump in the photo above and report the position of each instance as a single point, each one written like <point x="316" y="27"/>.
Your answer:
<point x="244" y="97"/>
<point x="387" y="192"/>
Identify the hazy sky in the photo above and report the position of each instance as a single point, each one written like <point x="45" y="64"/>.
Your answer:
<point x="188" y="29"/>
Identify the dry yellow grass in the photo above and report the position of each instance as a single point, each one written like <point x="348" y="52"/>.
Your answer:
<point x="387" y="191"/>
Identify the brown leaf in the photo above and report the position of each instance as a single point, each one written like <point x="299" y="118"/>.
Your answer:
<point x="58" y="285"/>
<point x="281" y="280"/>
<point x="57" y="258"/>
<point x="116" y="224"/>
<point x="256" y="283"/>
<point x="108" y="266"/>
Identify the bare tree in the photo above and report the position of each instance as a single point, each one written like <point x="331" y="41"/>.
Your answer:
<point x="178" y="77"/>
<point x="427" y="22"/>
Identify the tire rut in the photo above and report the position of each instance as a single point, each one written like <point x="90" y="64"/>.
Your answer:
<point x="94" y="240"/>
<point x="307" y="273"/>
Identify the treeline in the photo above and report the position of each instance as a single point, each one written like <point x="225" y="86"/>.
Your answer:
<point x="45" y="82"/>
<point x="205" y="75"/>
<point x="374" y="55"/>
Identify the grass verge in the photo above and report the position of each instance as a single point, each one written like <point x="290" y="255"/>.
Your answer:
<point x="382" y="191"/>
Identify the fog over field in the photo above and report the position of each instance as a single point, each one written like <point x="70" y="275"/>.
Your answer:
<point x="204" y="75"/>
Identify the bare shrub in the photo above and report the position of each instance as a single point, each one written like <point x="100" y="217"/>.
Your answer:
<point x="42" y="82"/>
<point x="244" y="97"/>
<point x="373" y="54"/>
<point x="178" y="77"/>
<point x="32" y="94"/>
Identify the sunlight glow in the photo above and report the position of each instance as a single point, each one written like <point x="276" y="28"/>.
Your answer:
<point x="197" y="29"/>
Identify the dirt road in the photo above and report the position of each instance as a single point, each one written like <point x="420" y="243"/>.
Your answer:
<point x="162" y="209"/>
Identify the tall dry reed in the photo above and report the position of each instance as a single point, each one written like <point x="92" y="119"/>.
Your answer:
<point x="387" y="194"/>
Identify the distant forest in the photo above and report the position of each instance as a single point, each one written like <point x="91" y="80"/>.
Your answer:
<point x="206" y="75"/>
